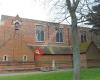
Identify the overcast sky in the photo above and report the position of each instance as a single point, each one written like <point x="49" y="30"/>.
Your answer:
<point x="32" y="9"/>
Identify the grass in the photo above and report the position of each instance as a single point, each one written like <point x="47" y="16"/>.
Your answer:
<point x="86" y="74"/>
<point x="90" y="74"/>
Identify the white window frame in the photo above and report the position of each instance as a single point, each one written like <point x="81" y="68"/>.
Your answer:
<point x="5" y="59"/>
<point x="25" y="59"/>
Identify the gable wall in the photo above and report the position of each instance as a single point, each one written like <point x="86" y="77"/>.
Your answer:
<point x="93" y="56"/>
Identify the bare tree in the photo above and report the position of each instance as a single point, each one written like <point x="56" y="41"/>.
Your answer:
<point x="75" y="11"/>
<point x="72" y="6"/>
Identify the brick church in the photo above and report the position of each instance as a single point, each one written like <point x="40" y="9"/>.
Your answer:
<point x="19" y="37"/>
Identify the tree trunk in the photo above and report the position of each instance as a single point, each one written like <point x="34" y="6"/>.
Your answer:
<point x="75" y="48"/>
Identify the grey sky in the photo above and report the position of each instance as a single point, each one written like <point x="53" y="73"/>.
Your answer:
<point x="25" y="8"/>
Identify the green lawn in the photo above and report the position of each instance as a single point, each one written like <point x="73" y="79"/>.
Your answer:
<point x="86" y="74"/>
<point x="90" y="74"/>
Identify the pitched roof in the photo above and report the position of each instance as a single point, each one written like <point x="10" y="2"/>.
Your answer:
<point x="84" y="46"/>
<point x="62" y="49"/>
<point x="53" y="49"/>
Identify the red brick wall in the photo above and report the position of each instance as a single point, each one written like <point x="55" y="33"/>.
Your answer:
<point x="64" y="60"/>
<point x="26" y="36"/>
<point x="29" y="27"/>
<point x="93" y="56"/>
<point x="60" y="60"/>
<point x="83" y="60"/>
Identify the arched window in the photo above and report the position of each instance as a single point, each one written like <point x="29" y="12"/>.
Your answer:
<point x="83" y="36"/>
<point x="59" y="35"/>
<point x="24" y="58"/>
<point x="39" y="33"/>
<point x="5" y="58"/>
<point x="17" y="25"/>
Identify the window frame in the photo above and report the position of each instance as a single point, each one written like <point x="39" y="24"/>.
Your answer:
<point x="5" y="58"/>
<point x="83" y="36"/>
<point x="25" y="58"/>
<point x="62" y="31"/>
<point x="36" y="37"/>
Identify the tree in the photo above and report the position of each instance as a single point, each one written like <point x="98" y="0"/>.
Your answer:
<point x="72" y="6"/>
<point x="94" y="17"/>
<point x="74" y="10"/>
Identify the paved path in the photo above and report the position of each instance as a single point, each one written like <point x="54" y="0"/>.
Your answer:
<point x="23" y="73"/>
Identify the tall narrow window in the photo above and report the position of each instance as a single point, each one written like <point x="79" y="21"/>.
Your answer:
<point x="17" y="26"/>
<point x="24" y="58"/>
<point x="5" y="58"/>
<point x="59" y="35"/>
<point x="39" y="33"/>
<point x="83" y="37"/>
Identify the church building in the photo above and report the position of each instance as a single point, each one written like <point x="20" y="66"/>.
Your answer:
<point x="21" y="39"/>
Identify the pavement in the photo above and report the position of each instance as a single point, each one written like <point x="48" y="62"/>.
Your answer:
<point x="25" y="73"/>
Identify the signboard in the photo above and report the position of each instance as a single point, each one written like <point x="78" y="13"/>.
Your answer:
<point x="38" y="52"/>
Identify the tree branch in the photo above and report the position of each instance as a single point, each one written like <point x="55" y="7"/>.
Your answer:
<point x="76" y="5"/>
<point x="68" y="3"/>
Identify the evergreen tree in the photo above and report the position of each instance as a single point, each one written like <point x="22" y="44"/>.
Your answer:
<point x="94" y="17"/>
